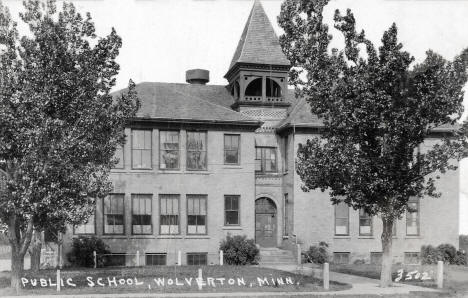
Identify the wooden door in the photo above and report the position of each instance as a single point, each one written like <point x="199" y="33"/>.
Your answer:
<point x="265" y="223"/>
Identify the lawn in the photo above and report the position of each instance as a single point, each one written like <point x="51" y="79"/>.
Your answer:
<point x="455" y="277"/>
<point x="166" y="279"/>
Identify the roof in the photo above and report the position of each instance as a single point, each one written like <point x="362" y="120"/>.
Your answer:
<point x="258" y="43"/>
<point x="187" y="102"/>
<point x="300" y="115"/>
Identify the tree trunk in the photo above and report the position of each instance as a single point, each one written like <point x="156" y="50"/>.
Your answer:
<point x="19" y="241"/>
<point x="35" y="251"/>
<point x="17" y="267"/>
<point x="386" y="272"/>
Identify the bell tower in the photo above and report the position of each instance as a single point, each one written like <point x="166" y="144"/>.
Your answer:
<point x="258" y="73"/>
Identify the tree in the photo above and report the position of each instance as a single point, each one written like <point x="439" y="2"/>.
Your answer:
<point x="377" y="109"/>
<point x="59" y="127"/>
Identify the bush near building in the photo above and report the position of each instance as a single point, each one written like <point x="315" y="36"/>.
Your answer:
<point x="444" y="252"/>
<point x="238" y="250"/>
<point x="81" y="254"/>
<point x="317" y="254"/>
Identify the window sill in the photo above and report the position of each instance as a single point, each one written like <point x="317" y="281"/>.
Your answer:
<point x="232" y="167"/>
<point x="167" y="171"/>
<point x="341" y="237"/>
<point x="108" y="236"/>
<point x="147" y="236"/>
<point x="232" y="228"/>
<point x="413" y="237"/>
<point x="197" y="237"/>
<point x="366" y="237"/>
<point x="169" y="237"/>
<point x="197" y="172"/>
<point x="141" y="171"/>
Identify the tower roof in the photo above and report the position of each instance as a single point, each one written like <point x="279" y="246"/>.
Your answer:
<point x="258" y="43"/>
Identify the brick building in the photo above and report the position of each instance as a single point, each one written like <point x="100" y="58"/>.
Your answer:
<point x="203" y="161"/>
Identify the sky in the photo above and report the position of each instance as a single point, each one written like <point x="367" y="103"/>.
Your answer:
<point x="164" y="38"/>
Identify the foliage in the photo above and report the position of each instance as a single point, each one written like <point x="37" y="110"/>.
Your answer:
<point x="318" y="254"/>
<point x="377" y="108"/>
<point x="82" y="252"/>
<point x="238" y="250"/>
<point x="59" y="125"/>
<point x="444" y="252"/>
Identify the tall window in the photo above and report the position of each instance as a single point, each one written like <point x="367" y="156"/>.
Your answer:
<point x="365" y="223"/>
<point x="231" y="149"/>
<point x="141" y="149"/>
<point x="114" y="214"/>
<point x="169" y="214"/>
<point x="196" y="214"/>
<point x="196" y="150"/>
<point x="169" y="149"/>
<point x="286" y="215"/>
<point x="412" y="218"/>
<point x="141" y="214"/>
<point x="119" y="154"/>
<point x="231" y="210"/>
<point x="89" y="227"/>
<point x="341" y="219"/>
<point x="286" y="160"/>
<point x="265" y="159"/>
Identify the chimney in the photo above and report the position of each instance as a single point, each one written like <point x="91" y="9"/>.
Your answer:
<point x="197" y="76"/>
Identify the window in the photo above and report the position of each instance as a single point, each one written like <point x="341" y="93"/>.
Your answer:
<point x="157" y="259"/>
<point x="286" y="160"/>
<point x="141" y="214"/>
<point x="168" y="214"/>
<point x="196" y="150"/>
<point x="196" y="214"/>
<point x="265" y="159"/>
<point x="376" y="258"/>
<point x="394" y="228"/>
<point x="114" y="214"/>
<point x="286" y="216"/>
<point x="119" y="154"/>
<point x="411" y="258"/>
<point x="141" y="149"/>
<point x="341" y="257"/>
<point x="197" y="258"/>
<point x="341" y="219"/>
<point x="231" y="149"/>
<point x="365" y="223"/>
<point x="231" y="210"/>
<point x="88" y="227"/>
<point x="115" y="259"/>
<point x="412" y="218"/>
<point x="169" y="149"/>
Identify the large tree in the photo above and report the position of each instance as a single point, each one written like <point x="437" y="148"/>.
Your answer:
<point x="377" y="109"/>
<point x="59" y="127"/>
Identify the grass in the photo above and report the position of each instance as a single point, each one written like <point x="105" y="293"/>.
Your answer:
<point x="455" y="277"/>
<point x="146" y="276"/>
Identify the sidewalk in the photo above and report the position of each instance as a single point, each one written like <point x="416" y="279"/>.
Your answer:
<point x="360" y="285"/>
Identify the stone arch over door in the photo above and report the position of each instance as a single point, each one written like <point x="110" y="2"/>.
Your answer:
<point x="266" y="222"/>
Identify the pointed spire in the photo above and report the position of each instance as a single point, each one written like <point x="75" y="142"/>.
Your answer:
<point x="258" y="43"/>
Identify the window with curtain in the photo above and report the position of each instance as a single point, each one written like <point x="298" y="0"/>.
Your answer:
<point x="265" y="160"/>
<point x="141" y="214"/>
<point x="114" y="214"/>
<point x="196" y="214"/>
<point x="141" y="149"/>
<point x="365" y="223"/>
<point x="412" y="218"/>
<point x="231" y="149"/>
<point x="169" y="214"/>
<point x="196" y="150"/>
<point x="169" y="149"/>
<point x="341" y="219"/>
<point x="231" y="210"/>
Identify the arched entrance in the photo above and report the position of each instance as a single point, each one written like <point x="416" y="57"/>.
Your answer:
<point x="265" y="222"/>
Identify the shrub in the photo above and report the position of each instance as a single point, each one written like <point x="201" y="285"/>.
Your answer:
<point x="82" y="252"/>
<point x="318" y="254"/>
<point x="238" y="250"/>
<point x="444" y="252"/>
<point x="429" y="254"/>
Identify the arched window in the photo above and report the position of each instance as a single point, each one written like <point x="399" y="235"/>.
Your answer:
<point x="254" y="88"/>
<point x="272" y="88"/>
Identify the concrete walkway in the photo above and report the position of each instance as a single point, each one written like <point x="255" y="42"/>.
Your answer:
<point x="360" y="285"/>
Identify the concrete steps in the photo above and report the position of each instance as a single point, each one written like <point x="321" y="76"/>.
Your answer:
<point x="276" y="256"/>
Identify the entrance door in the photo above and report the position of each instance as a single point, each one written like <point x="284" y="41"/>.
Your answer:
<point x="265" y="222"/>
